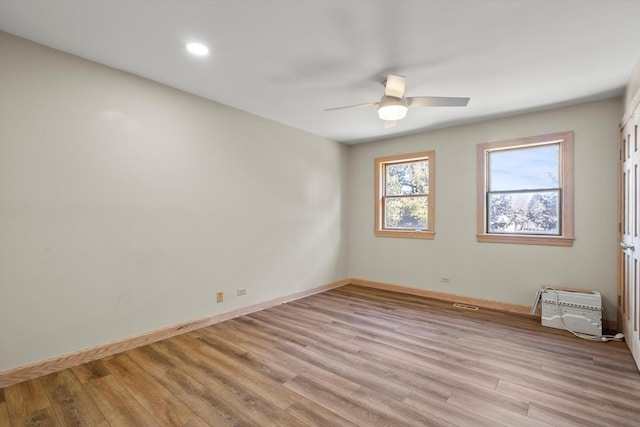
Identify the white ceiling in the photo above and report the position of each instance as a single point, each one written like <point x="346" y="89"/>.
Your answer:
<point x="287" y="60"/>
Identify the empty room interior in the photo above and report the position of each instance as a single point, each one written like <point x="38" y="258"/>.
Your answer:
<point x="319" y="213"/>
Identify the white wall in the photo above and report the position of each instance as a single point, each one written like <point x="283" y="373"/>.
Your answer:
<point x="502" y="272"/>
<point x="125" y="205"/>
<point x="633" y="86"/>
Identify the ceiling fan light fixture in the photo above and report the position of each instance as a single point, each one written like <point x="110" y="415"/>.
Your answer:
<point x="391" y="108"/>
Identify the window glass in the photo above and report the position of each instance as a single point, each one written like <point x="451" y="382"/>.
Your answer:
<point x="524" y="212"/>
<point x="524" y="168"/>
<point x="409" y="213"/>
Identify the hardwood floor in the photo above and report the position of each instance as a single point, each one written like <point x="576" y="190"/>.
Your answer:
<point x="352" y="356"/>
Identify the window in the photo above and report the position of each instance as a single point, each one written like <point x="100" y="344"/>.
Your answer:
<point x="404" y="205"/>
<point x="525" y="191"/>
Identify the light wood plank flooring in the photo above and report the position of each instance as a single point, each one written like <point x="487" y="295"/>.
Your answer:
<point x="352" y="356"/>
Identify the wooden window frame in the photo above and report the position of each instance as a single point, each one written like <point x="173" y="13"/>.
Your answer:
<point x="565" y="175"/>
<point x="380" y="186"/>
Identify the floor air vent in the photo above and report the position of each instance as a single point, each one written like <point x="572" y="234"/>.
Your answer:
<point x="465" y="306"/>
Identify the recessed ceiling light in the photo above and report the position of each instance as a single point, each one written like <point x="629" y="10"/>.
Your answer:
<point x="197" y="49"/>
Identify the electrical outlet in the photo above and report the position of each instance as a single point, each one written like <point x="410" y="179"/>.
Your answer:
<point x="219" y="296"/>
<point x="242" y="291"/>
<point x="445" y="280"/>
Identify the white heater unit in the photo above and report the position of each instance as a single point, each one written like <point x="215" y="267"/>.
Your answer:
<point x="579" y="311"/>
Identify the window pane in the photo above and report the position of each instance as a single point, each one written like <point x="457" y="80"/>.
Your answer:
<point x="525" y="213"/>
<point x="529" y="168"/>
<point x="408" y="213"/>
<point x="407" y="179"/>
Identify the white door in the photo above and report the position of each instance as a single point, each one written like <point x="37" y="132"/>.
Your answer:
<point x="630" y="234"/>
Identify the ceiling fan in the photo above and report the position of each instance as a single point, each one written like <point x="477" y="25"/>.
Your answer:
<point x="393" y="105"/>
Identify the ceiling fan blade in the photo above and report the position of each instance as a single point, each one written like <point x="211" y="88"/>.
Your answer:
<point x="394" y="86"/>
<point x="351" y="106"/>
<point x="390" y="123"/>
<point x="437" y="101"/>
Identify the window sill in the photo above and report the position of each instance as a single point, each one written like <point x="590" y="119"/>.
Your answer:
<point x="526" y="240"/>
<point x="409" y="234"/>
